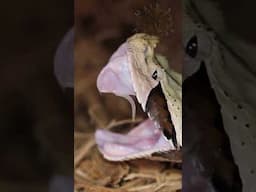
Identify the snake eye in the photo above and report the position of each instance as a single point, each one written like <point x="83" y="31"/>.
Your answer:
<point x="154" y="75"/>
<point x="192" y="47"/>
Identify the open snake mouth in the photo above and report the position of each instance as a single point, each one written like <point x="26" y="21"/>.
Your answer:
<point x="154" y="135"/>
<point x="134" y="70"/>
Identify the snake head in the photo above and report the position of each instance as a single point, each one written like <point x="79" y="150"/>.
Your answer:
<point x="131" y="71"/>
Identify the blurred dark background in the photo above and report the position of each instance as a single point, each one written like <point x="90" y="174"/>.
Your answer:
<point x="36" y="115"/>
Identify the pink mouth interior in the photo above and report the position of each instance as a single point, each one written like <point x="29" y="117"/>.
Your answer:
<point x="141" y="141"/>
